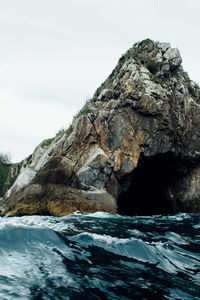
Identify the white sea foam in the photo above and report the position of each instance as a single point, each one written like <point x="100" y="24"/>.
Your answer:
<point x="53" y="223"/>
<point x="100" y="214"/>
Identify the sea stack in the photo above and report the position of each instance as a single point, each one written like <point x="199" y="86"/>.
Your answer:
<point x="134" y="148"/>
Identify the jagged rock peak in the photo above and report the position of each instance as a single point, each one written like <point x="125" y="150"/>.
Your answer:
<point x="146" y="61"/>
<point x="133" y="148"/>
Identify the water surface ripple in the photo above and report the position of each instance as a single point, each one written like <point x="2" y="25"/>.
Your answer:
<point x="100" y="256"/>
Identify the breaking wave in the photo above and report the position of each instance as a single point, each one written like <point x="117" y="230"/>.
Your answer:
<point x="100" y="256"/>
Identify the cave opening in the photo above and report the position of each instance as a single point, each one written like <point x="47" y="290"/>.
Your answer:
<point x="144" y="191"/>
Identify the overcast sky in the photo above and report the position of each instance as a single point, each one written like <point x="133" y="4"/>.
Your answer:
<point x="55" y="53"/>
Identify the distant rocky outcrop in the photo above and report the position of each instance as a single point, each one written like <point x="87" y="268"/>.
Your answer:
<point x="8" y="173"/>
<point x="134" y="148"/>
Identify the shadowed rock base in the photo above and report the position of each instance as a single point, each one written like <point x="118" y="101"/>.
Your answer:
<point x="149" y="186"/>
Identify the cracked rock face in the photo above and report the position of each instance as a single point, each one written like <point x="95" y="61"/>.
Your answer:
<point x="134" y="150"/>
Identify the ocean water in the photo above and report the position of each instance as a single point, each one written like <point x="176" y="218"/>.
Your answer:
<point x="100" y="256"/>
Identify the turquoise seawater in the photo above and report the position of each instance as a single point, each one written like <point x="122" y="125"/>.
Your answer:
<point x="100" y="256"/>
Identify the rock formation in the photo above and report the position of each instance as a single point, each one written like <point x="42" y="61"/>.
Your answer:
<point x="133" y="148"/>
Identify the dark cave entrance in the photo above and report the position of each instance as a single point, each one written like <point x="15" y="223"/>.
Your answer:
<point x="144" y="191"/>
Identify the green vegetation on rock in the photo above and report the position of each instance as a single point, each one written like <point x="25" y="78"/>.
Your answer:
<point x="4" y="171"/>
<point x="152" y="65"/>
<point x="8" y="172"/>
<point x="13" y="173"/>
<point x="85" y="110"/>
<point x="46" y="142"/>
<point x="68" y="131"/>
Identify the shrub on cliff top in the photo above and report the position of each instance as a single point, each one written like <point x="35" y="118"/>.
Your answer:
<point x="4" y="171"/>
<point x="4" y="158"/>
<point x="152" y="66"/>
<point x="85" y="111"/>
<point x="46" y="142"/>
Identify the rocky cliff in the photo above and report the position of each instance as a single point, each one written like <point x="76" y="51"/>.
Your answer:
<point x="134" y="148"/>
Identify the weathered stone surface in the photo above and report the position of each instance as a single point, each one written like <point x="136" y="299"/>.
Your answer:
<point x="135" y="148"/>
<point x="173" y="56"/>
<point x="50" y="199"/>
<point x="164" y="46"/>
<point x="95" y="171"/>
